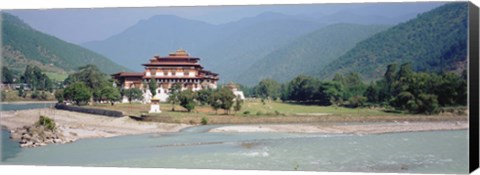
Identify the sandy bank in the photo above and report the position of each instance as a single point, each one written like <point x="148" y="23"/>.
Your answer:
<point x="352" y="128"/>
<point x="80" y="125"/>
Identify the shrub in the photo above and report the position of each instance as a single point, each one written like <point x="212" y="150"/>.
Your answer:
<point x="46" y="122"/>
<point x="204" y="120"/>
<point x="277" y="113"/>
<point x="259" y="113"/>
<point x="43" y="95"/>
<point x="35" y="94"/>
<point x="246" y="112"/>
<point x="59" y="95"/>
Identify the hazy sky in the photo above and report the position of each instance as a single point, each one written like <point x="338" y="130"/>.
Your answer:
<point x="83" y="25"/>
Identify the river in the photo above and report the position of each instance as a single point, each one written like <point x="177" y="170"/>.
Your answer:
<point x="411" y="152"/>
<point x="22" y="106"/>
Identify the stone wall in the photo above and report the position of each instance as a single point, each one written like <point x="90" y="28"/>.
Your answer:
<point x="96" y="111"/>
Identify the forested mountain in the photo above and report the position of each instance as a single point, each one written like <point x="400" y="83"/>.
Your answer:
<point x="309" y="53"/>
<point x="237" y="52"/>
<point x="23" y="45"/>
<point x="434" y="41"/>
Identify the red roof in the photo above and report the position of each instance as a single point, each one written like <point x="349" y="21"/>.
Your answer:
<point x="173" y="77"/>
<point x="177" y="57"/>
<point x="171" y="64"/>
<point x="128" y="74"/>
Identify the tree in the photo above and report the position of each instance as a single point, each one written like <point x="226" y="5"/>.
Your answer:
<point x="357" y="101"/>
<point x="226" y="97"/>
<point x="21" y="91"/>
<point x="59" y="95"/>
<point x="328" y="93"/>
<point x="238" y="104"/>
<point x="110" y="93"/>
<point x="90" y="75"/>
<point x="34" y="77"/>
<point x="35" y="94"/>
<point x="173" y="94"/>
<point x="371" y="93"/>
<point x="3" y="95"/>
<point x="187" y="99"/>
<point x="203" y="96"/>
<point x="302" y="88"/>
<point x="427" y="103"/>
<point x="214" y="100"/>
<point x="77" y="92"/>
<point x="351" y="83"/>
<point x="8" y="76"/>
<point x="268" y="89"/>
<point x="153" y="87"/>
<point x="133" y="94"/>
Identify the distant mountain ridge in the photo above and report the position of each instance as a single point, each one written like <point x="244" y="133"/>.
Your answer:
<point x="23" y="45"/>
<point x="237" y="49"/>
<point x="309" y="53"/>
<point x="221" y="47"/>
<point x="434" y="41"/>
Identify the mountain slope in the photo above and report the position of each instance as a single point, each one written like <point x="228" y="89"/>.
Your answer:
<point x="309" y="53"/>
<point x="434" y="41"/>
<point x="234" y="54"/>
<point x="158" y="35"/>
<point x="23" y="45"/>
<point x="221" y="47"/>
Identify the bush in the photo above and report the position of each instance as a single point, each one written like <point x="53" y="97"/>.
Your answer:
<point x="277" y="113"/>
<point x="43" y="95"/>
<point x="35" y="95"/>
<point x="59" y="95"/>
<point x="204" y="120"/>
<point x="46" y="122"/>
<point x="246" y="112"/>
<point x="259" y="113"/>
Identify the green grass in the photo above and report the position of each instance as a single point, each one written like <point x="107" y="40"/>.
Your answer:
<point x="254" y="107"/>
<point x="296" y="109"/>
<point x="286" y="113"/>
<point x="56" y="76"/>
<point x="12" y="96"/>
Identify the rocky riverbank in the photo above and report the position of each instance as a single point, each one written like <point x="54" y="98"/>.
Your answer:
<point x="34" y="136"/>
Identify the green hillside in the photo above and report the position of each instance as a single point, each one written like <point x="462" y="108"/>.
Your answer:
<point x="434" y="41"/>
<point x="309" y="53"/>
<point x="23" y="45"/>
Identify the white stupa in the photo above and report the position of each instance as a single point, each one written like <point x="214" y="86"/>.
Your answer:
<point x="155" y="105"/>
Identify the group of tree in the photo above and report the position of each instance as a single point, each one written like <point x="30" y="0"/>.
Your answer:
<point x="36" y="79"/>
<point x="306" y="89"/>
<point x="418" y="92"/>
<point x="8" y="76"/>
<point x="221" y="98"/>
<point x="400" y="88"/>
<point x="32" y="77"/>
<point x="88" y="83"/>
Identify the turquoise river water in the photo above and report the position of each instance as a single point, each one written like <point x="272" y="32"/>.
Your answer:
<point x="412" y="152"/>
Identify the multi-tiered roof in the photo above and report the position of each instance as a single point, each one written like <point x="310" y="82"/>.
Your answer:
<point x="179" y="58"/>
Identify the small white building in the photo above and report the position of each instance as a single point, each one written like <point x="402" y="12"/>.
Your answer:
<point x="236" y="92"/>
<point x="155" y="105"/>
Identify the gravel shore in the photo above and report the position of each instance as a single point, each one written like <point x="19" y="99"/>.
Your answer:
<point x="80" y="125"/>
<point x="348" y="128"/>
